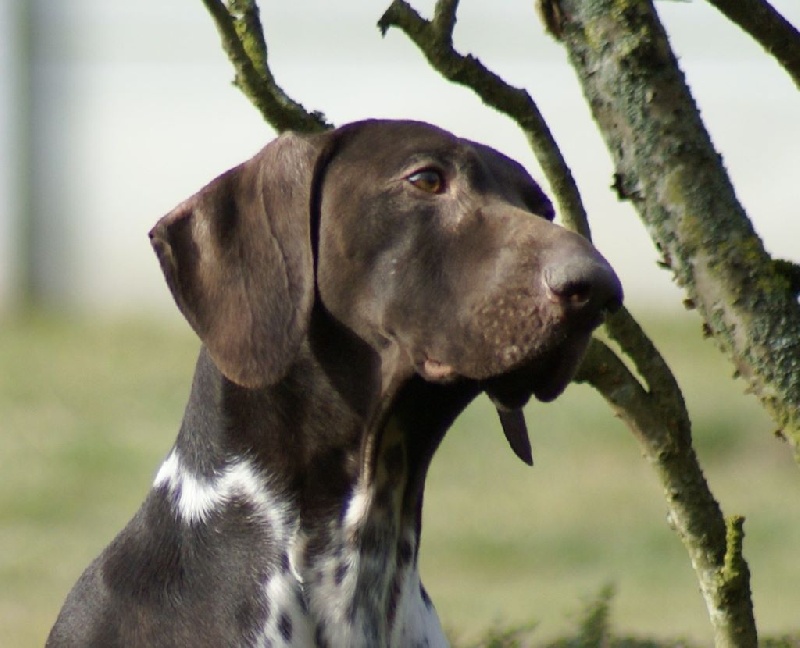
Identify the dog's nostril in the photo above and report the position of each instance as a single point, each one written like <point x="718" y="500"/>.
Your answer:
<point x="584" y="283"/>
<point x="574" y="292"/>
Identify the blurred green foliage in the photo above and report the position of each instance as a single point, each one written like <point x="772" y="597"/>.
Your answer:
<point x="89" y="407"/>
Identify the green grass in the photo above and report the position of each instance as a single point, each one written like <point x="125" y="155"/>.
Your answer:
<point x="88" y="408"/>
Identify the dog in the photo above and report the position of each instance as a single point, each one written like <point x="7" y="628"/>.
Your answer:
<point x="353" y="291"/>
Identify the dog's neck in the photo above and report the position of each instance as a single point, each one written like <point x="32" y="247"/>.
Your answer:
<point x="352" y="472"/>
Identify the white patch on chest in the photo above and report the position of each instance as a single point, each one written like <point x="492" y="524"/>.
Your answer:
<point x="195" y="499"/>
<point x="361" y="590"/>
<point x="365" y="589"/>
<point x="418" y="624"/>
<point x="350" y="600"/>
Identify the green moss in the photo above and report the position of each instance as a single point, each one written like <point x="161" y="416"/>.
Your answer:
<point x="247" y="24"/>
<point x="626" y="20"/>
<point x="755" y="276"/>
<point x="735" y="569"/>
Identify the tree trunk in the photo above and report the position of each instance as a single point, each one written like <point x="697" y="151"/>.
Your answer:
<point x="667" y="166"/>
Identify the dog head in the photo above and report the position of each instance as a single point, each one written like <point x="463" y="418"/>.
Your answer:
<point x="413" y="239"/>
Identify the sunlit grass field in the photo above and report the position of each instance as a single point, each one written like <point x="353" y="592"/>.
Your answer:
<point x="89" y="407"/>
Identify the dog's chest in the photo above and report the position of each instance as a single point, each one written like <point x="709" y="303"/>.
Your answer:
<point x="349" y="581"/>
<point x="349" y="597"/>
<point x="356" y="583"/>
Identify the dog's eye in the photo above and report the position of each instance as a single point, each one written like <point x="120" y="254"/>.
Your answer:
<point x="428" y="180"/>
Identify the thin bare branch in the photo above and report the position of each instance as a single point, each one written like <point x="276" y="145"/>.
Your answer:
<point x="769" y="28"/>
<point x="713" y="543"/>
<point x="444" y="19"/>
<point x="468" y="71"/>
<point x="650" y="364"/>
<point x="242" y="37"/>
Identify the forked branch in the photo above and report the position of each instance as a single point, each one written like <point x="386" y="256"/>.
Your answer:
<point x="713" y="543"/>
<point x="655" y="412"/>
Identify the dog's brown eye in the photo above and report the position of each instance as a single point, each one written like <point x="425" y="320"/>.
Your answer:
<point x="428" y="180"/>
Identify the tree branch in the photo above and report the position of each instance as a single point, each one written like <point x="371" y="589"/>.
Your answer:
<point x="713" y="544"/>
<point x="434" y="38"/>
<point x="769" y="28"/>
<point x="656" y="414"/>
<point x="243" y="40"/>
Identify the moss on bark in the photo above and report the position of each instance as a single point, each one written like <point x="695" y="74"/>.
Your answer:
<point x="664" y="155"/>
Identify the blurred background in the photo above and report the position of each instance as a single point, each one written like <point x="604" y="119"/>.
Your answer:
<point x="113" y="112"/>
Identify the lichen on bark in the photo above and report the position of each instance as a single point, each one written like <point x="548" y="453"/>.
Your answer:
<point x="662" y="151"/>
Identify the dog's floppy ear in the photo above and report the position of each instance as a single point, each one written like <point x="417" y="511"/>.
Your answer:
<point x="238" y="260"/>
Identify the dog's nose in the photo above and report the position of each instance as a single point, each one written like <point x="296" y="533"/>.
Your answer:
<point x="584" y="282"/>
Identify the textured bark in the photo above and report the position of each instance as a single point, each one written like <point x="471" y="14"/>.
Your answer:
<point x="667" y="166"/>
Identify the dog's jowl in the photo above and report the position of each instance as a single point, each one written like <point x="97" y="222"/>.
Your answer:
<point x="353" y="292"/>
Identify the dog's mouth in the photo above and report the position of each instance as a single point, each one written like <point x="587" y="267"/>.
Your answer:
<point x="544" y="377"/>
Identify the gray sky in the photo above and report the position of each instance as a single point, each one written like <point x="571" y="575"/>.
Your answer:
<point x="140" y="113"/>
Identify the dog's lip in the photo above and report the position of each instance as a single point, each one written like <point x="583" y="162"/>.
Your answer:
<point x="544" y="376"/>
<point x="513" y="390"/>
<point x="435" y="370"/>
